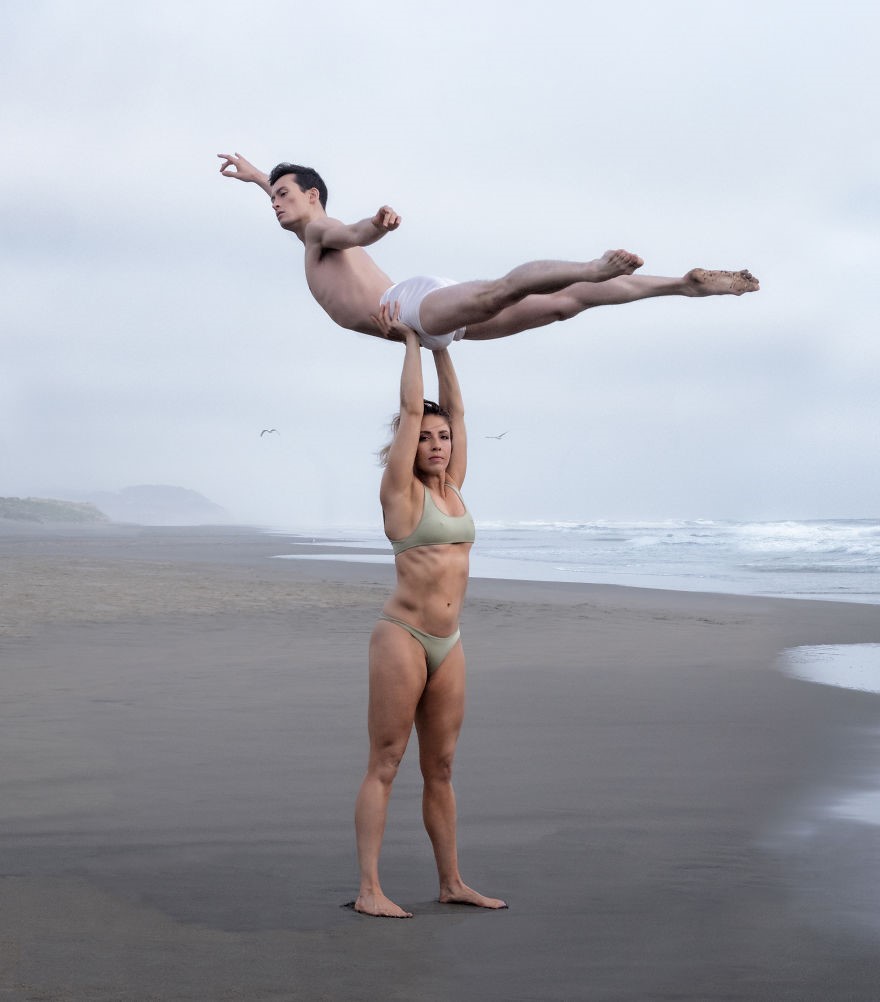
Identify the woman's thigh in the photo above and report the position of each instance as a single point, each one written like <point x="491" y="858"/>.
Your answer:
<point x="440" y="710"/>
<point x="397" y="682"/>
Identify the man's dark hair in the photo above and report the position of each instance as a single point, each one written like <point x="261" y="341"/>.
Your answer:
<point x="305" y="177"/>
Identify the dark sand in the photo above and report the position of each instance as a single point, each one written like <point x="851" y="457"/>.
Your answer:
<point x="182" y="734"/>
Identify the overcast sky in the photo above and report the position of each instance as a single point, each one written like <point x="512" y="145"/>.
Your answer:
<point x="155" y="318"/>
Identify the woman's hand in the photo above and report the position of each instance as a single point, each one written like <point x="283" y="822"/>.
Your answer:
<point x="391" y="326"/>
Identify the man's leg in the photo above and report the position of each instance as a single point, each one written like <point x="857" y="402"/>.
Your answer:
<point x="540" y="310"/>
<point x="470" y="303"/>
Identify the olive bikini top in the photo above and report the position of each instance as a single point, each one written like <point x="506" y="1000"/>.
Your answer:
<point x="436" y="527"/>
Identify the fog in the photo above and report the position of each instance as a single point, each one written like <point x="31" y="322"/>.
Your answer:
<point x="155" y="318"/>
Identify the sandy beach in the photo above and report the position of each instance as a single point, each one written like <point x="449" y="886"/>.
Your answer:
<point x="182" y="734"/>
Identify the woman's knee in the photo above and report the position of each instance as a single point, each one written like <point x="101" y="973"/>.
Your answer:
<point x="437" y="768"/>
<point x="385" y="762"/>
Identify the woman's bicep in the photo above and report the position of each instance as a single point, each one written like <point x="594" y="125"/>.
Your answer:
<point x="398" y="473"/>
<point x="458" y="460"/>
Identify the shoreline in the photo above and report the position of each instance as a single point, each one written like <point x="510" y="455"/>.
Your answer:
<point x="182" y="727"/>
<point x="348" y="548"/>
<point x="642" y="556"/>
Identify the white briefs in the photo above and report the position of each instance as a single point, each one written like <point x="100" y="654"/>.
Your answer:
<point x="409" y="295"/>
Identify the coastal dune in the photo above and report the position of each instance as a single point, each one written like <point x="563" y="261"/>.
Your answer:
<point x="182" y="734"/>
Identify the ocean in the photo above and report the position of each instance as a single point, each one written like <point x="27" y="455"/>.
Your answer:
<point x="830" y="559"/>
<point x="835" y="559"/>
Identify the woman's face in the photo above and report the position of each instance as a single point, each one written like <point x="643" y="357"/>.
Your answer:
<point x="435" y="445"/>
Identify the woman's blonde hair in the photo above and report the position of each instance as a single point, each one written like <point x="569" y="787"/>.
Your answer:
<point x="430" y="408"/>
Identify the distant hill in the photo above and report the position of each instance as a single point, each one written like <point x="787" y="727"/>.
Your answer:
<point x="146" y="504"/>
<point x="158" y="504"/>
<point x="49" y="510"/>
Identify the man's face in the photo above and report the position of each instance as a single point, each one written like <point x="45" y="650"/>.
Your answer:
<point x="288" y="202"/>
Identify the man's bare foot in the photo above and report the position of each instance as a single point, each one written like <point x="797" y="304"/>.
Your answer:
<point x="461" y="894"/>
<point x="379" y="906"/>
<point x="612" y="264"/>
<point x="720" y="283"/>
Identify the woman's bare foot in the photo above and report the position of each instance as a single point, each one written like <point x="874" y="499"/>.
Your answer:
<point x="379" y="906"/>
<point x="461" y="894"/>
<point x="720" y="283"/>
<point x="612" y="264"/>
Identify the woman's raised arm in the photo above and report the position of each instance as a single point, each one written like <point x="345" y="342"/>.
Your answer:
<point x="450" y="399"/>
<point x="398" y="477"/>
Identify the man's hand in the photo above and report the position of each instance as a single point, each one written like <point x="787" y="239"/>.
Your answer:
<point x="235" y="165"/>
<point x="385" y="220"/>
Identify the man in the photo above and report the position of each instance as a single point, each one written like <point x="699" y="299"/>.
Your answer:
<point x="350" y="286"/>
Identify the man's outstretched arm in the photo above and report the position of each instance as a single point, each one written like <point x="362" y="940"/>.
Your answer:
<point x="235" y="165"/>
<point x="327" y="232"/>
<point x="335" y="235"/>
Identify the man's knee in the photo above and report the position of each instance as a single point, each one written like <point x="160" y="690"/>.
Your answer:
<point x="495" y="296"/>
<point x="563" y="307"/>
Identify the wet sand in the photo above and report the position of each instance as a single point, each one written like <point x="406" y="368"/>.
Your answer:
<point x="182" y="734"/>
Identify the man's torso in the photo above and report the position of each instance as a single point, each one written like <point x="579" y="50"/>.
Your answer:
<point x="347" y="284"/>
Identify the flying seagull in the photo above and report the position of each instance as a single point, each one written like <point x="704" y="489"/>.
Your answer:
<point x="503" y="433"/>
<point x="269" y="431"/>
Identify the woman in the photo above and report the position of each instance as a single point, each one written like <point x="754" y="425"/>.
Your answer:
<point x="417" y="670"/>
